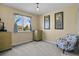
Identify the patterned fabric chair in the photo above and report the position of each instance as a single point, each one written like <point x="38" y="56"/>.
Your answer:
<point x="67" y="43"/>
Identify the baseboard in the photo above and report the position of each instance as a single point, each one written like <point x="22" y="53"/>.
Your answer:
<point x="51" y="42"/>
<point x="21" y="44"/>
<point x="6" y="50"/>
<point x="47" y="41"/>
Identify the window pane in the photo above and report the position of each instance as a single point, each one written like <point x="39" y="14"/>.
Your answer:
<point x="22" y="23"/>
<point x="19" y="23"/>
<point x="27" y="23"/>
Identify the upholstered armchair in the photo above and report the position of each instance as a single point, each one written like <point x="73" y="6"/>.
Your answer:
<point x="68" y="43"/>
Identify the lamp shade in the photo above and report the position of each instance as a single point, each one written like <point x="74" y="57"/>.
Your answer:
<point x="37" y="9"/>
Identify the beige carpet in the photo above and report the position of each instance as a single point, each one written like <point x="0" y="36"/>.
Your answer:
<point x="36" y="49"/>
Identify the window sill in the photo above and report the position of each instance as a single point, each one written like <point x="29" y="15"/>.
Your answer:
<point x="23" y="31"/>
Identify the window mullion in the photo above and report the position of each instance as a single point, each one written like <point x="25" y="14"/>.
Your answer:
<point x="22" y="24"/>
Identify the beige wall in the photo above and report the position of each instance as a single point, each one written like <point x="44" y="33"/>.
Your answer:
<point x="6" y="14"/>
<point x="70" y="23"/>
<point x="78" y="20"/>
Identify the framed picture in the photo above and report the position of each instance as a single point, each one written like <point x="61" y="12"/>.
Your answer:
<point x="59" y="20"/>
<point x="47" y="22"/>
<point x="1" y="26"/>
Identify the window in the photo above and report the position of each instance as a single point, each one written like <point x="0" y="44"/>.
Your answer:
<point x="22" y="23"/>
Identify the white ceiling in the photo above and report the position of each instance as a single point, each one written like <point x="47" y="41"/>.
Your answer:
<point x="31" y="7"/>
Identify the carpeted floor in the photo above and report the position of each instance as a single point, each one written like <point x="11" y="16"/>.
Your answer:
<point x="36" y="49"/>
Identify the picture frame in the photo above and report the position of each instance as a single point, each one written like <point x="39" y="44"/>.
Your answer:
<point x="47" y="22"/>
<point x="59" y="20"/>
<point x="1" y="26"/>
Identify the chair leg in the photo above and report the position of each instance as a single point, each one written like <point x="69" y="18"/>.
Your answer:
<point x="63" y="51"/>
<point x="57" y="45"/>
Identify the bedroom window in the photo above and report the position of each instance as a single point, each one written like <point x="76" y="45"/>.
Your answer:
<point x="22" y="23"/>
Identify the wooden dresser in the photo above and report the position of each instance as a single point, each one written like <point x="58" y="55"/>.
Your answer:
<point x="5" y="41"/>
<point x="37" y="35"/>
